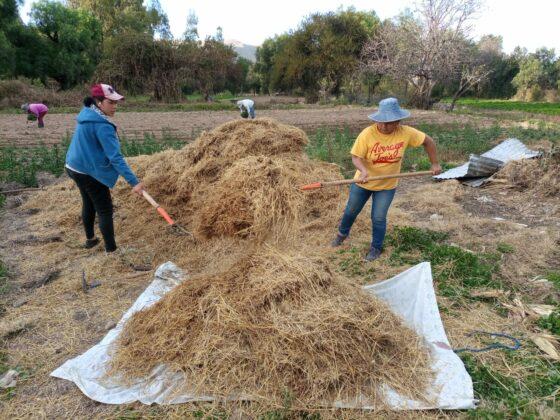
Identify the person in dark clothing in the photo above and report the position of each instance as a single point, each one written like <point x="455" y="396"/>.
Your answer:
<point x="94" y="161"/>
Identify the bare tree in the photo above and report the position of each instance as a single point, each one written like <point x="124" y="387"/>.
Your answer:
<point x="471" y="75"/>
<point x="423" y="48"/>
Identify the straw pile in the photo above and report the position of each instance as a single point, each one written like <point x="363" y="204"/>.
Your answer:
<point x="276" y="325"/>
<point x="538" y="176"/>
<point x="239" y="180"/>
<point x="263" y="315"/>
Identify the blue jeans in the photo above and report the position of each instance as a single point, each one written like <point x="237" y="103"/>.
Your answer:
<point x="250" y="111"/>
<point x="381" y="201"/>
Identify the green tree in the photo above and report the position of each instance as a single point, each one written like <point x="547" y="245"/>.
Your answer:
<point x="191" y="31"/>
<point x="547" y="58"/>
<point x="504" y="68"/>
<point x="219" y="34"/>
<point x="73" y="41"/>
<point x="531" y="74"/>
<point x="323" y="52"/>
<point x="121" y="16"/>
<point x="266" y="56"/>
<point x="214" y="62"/>
<point x="238" y="74"/>
<point x="9" y="22"/>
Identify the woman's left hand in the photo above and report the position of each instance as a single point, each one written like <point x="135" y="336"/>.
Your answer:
<point x="138" y="188"/>
<point x="436" y="169"/>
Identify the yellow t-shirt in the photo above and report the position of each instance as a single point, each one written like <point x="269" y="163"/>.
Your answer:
<point x="383" y="153"/>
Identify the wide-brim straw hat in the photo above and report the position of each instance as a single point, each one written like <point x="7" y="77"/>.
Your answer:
<point x="389" y="111"/>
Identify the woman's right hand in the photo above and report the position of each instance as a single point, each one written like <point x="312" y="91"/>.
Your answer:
<point x="363" y="177"/>
<point x="138" y="188"/>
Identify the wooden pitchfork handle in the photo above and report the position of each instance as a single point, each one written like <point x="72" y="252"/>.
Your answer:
<point x="159" y="209"/>
<point x="317" y="185"/>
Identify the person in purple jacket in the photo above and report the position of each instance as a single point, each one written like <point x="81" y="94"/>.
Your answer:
<point x="94" y="161"/>
<point x="39" y="110"/>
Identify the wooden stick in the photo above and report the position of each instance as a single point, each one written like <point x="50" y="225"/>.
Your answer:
<point x="317" y="185"/>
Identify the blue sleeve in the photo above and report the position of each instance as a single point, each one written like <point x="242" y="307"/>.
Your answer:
<point x="106" y="134"/>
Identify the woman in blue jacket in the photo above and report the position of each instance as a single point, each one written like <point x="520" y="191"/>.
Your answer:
<point x="94" y="161"/>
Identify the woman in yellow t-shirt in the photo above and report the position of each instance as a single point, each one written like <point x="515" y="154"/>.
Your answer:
<point x="379" y="150"/>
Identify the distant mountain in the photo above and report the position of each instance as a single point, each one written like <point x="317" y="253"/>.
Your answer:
<point x="243" y="50"/>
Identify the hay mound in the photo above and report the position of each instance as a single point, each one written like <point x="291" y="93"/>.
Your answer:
<point x="274" y="324"/>
<point x="240" y="179"/>
<point x="539" y="176"/>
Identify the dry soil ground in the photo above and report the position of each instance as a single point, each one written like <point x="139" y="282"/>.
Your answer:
<point x="15" y="130"/>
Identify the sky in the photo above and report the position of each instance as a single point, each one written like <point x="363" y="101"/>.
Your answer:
<point x="527" y="24"/>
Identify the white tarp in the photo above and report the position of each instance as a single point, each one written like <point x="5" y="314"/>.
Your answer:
<point x="410" y="294"/>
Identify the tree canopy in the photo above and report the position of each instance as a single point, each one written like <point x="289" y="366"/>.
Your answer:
<point x="320" y="54"/>
<point x="72" y="40"/>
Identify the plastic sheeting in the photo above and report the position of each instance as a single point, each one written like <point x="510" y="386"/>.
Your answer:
<point x="506" y="151"/>
<point x="410" y="295"/>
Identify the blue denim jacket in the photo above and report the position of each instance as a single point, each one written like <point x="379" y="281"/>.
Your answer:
<point x="95" y="149"/>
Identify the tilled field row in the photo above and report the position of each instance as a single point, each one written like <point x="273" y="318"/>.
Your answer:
<point x="16" y="131"/>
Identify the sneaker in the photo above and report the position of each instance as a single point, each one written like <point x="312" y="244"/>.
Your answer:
<point x="338" y="240"/>
<point x="373" y="254"/>
<point x="90" y="243"/>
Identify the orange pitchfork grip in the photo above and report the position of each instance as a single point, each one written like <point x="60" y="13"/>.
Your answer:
<point x="159" y="209"/>
<point x="166" y="216"/>
<point x="313" y="186"/>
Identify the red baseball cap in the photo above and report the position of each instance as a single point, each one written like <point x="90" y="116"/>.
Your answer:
<point x="105" y="91"/>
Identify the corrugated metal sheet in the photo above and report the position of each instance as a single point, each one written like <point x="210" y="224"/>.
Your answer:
<point x="482" y="166"/>
<point x="490" y="162"/>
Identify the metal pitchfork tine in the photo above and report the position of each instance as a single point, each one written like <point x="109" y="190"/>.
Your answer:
<point x="178" y="228"/>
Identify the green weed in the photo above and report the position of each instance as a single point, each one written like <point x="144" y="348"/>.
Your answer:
<point x="22" y="164"/>
<point x="4" y="285"/>
<point x="508" y="397"/>
<point x="332" y="146"/>
<point x="554" y="277"/>
<point x="455" y="270"/>
<point x="551" y="323"/>
<point x="505" y="248"/>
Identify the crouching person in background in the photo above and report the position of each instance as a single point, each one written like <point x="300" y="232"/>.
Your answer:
<point x="36" y="111"/>
<point x="247" y="108"/>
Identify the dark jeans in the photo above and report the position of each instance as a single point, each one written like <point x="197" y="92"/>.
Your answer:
<point x="96" y="198"/>
<point x="41" y="123"/>
<point x="381" y="201"/>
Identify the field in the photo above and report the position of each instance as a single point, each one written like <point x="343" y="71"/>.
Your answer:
<point x="509" y="105"/>
<point x="494" y="253"/>
<point x="16" y="131"/>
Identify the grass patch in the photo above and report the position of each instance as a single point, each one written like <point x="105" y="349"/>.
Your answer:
<point x="554" y="277"/>
<point x="507" y="105"/>
<point x="551" y="323"/>
<point x="455" y="270"/>
<point x="22" y="164"/>
<point x="509" y="397"/>
<point x="505" y="248"/>
<point x="4" y="285"/>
